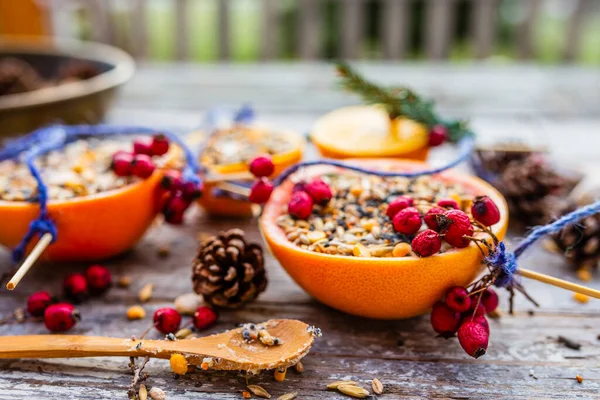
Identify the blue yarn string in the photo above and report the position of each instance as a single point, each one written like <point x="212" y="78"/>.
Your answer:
<point x="507" y="261"/>
<point x="55" y="137"/>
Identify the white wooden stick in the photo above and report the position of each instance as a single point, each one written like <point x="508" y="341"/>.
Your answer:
<point x="234" y="188"/>
<point x="550" y="280"/>
<point x="30" y="260"/>
<point x="229" y="177"/>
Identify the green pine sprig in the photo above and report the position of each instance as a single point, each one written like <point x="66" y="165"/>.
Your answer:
<point x="399" y="102"/>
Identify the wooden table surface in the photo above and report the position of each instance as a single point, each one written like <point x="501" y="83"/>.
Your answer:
<point x="554" y="106"/>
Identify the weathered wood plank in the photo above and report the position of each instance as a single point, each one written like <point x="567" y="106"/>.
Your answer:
<point x="483" y="26"/>
<point x="223" y="7"/>
<point x="269" y="29"/>
<point x="395" y="28"/>
<point x="525" y="48"/>
<point x="438" y="28"/>
<point x="181" y="29"/>
<point x="310" y="21"/>
<point x="139" y="28"/>
<point x="352" y="28"/>
<point x="574" y="29"/>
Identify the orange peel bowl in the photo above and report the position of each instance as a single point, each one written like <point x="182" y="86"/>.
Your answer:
<point x="367" y="132"/>
<point x="91" y="227"/>
<point x="226" y="207"/>
<point x="382" y="288"/>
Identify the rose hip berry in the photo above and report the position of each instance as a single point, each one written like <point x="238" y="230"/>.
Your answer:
<point x="142" y="166"/>
<point x="122" y="163"/>
<point x="427" y="243"/>
<point x="485" y="211"/>
<point x="171" y="181"/>
<point x="60" y="317"/>
<point x="204" y="318"/>
<point x="457" y="298"/>
<point x="260" y="191"/>
<point x="167" y="320"/>
<point x="75" y="288"/>
<point x="489" y="300"/>
<point x="431" y="217"/>
<point x="437" y="135"/>
<point x="473" y="338"/>
<point x="142" y="146"/>
<point x="448" y="203"/>
<point x="192" y="190"/>
<point x="479" y="319"/>
<point x="262" y="166"/>
<point x="159" y="145"/>
<point x="300" y="205"/>
<point x="477" y="312"/>
<point x="407" y="221"/>
<point x="444" y="320"/>
<point x="455" y="227"/>
<point x="38" y="302"/>
<point x="98" y="278"/>
<point x="398" y="204"/>
<point x="319" y="191"/>
<point x="175" y="208"/>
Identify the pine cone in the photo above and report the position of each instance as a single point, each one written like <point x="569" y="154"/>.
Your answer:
<point x="17" y="76"/>
<point x="580" y="242"/>
<point x="534" y="190"/>
<point x="229" y="272"/>
<point x="496" y="159"/>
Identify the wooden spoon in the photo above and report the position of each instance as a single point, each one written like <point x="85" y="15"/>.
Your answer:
<point x="227" y="350"/>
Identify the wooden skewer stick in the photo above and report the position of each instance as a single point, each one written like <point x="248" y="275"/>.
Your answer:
<point x="30" y="260"/>
<point x="550" y="280"/>
<point x="229" y="177"/>
<point x="234" y="188"/>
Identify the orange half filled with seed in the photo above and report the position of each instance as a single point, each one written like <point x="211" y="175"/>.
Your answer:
<point x="349" y="253"/>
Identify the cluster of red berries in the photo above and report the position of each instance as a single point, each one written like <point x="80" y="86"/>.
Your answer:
<point x="62" y="316"/>
<point x="307" y="194"/>
<point x="168" y="320"/>
<point x="463" y="314"/>
<point x="445" y="221"/>
<point x="139" y="162"/>
<point x="261" y="167"/>
<point x="178" y="195"/>
<point x="438" y="134"/>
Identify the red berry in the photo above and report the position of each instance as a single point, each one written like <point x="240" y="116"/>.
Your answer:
<point x="431" y="217"/>
<point x="437" y="135"/>
<point x="204" y="318"/>
<point x="448" y="203"/>
<point x="490" y="300"/>
<point x="427" y="243"/>
<point x="473" y="338"/>
<point x="159" y="145"/>
<point x="485" y="211"/>
<point x="457" y="298"/>
<point x="175" y="208"/>
<point x="171" y="181"/>
<point x="98" y="278"/>
<point x="122" y="163"/>
<point x="398" y="204"/>
<point x="260" y="191"/>
<point x="319" y="191"/>
<point x="75" y="288"/>
<point x="192" y="190"/>
<point x="262" y="166"/>
<point x="300" y="205"/>
<point x="444" y="320"/>
<point x="61" y="317"/>
<point x="477" y="312"/>
<point x="167" y="320"/>
<point x="480" y="320"/>
<point x="299" y="187"/>
<point x="455" y="224"/>
<point x="142" y="166"/>
<point x="142" y="146"/>
<point x="38" y="302"/>
<point x="407" y="221"/>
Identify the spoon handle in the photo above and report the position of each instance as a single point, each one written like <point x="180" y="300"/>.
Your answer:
<point x="58" y="346"/>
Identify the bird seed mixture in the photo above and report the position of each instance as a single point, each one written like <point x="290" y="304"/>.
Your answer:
<point x="354" y="222"/>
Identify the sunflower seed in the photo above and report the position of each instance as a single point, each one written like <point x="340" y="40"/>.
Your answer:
<point x="336" y="384"/>
<point x="288" y="396"/>
<point x="259" y="391"/>
<point x="146" y="292"/>
<point x="143" y="393"/>
<point x="354" y="391"/>
<point x="377" y="386"/>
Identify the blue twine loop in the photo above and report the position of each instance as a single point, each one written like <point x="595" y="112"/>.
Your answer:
<point x="506" y="261"/>
<point x="55" y="137"/>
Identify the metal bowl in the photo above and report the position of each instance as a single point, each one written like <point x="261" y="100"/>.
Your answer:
<point x="84" y="101"/>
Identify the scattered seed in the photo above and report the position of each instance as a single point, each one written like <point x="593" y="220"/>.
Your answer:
<point x="280" y="374"/>
<point x="579" y="378"/>
<point x="584" y="274"/>
<point x="361" y="251"/>
<point x="183" y="333"/>
<point x="157" y="394"/>
<point x="163" y="251"/>
<point x="401" y="250"/>
<point x="19" y="315"/>
<point x="336" y="384"/>
<point x="550" y="246"/>
<point x="136" y="312"/>
<point x="146" y="292"/>
<point x="143" y="393"/>
<point x="259" y="391"/>
<point x="188" y="303"/>
<point x="377" y="386"/>
<point x="581" y="298"/>
<point x="124" y="281"/>
<point x="299" y="367"/>
<point x="532" y="374"/>
<point x="496" y="314"/>
<point x="288" y="396"/>
<point x="178" y="364"/>
<point x="246" y="395"/>
<point x="353" y="391"/>
<point x="571" y="344"/>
